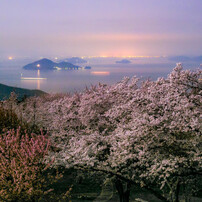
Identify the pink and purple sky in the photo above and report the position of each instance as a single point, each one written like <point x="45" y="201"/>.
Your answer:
<point x="100" y="28"/>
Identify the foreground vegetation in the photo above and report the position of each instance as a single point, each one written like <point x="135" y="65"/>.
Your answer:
<point x="25" y="174"/>
<point x="143" y="134"/>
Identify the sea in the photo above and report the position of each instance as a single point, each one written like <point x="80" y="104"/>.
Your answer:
<point x="105" y="71"/>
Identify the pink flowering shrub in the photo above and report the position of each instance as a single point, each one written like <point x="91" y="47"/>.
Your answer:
<point x="23" y="171"/>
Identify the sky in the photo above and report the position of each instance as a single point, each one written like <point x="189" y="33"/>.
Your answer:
<point x="64" y="28"/>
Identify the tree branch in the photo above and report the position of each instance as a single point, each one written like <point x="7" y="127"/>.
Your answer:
<point x="158" y="195"/>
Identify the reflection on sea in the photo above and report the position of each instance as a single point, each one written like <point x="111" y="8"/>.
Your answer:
<point x="33" y="84"/>
<point x="33" y="80"/>
<point x="38" y="81"/>
<point x="38" y="85"/>
<point x="100" y="73"/>
<point x="38" y="73"/>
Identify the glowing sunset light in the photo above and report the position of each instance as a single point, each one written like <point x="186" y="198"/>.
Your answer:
<point x="38" y="65"/>
<point x="100" y="73"/>
<point x="10" y="57"/>
<point x="124" y="56"/>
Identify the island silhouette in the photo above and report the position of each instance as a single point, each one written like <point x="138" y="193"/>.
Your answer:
<point x="46" y="64"/>
<point x="124" y="61"/>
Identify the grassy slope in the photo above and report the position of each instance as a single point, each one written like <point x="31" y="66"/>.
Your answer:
<point x="5" y="92"/>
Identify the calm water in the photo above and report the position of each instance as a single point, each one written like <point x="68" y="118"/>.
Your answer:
<point x="76" y="80"/>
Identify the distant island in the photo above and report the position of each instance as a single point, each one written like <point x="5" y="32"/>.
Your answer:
<point x="5" y="92"/>
<point x="124" y="61"/>
<point x="46" y="64"/>
<point x="87" y="67"/>
<point x="75" y="60"/>
<point x="183" y="58"/>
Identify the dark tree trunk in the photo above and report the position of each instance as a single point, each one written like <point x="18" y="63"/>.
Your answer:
<point x="124" y="193"/>
<point x="175" y="192"/>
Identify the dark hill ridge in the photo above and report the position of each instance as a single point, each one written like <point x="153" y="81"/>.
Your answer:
<point x="124" y="61"/>
<point x="46" y="64"/>
<point x="75" y="60"/>
<point x="66" y="65"/>
<point x="5" y="92"/>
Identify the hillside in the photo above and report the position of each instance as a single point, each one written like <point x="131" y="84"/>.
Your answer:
<point x="148" y="130"/>
<point x="5" y="92"/>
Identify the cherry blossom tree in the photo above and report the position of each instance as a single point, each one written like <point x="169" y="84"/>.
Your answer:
<point x="168" y="121"/>
<point x="158" y="145"/>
